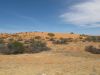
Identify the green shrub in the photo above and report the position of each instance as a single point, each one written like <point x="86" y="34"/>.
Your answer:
<point x="14" y="48"/>
<point x="51" y="39"/>
<point x="61" y="41"/>
<point x="19" y="39"/>
<point x="98" y="38"/>
<point x="69" y="39"/>
<point x="93" y="38"/>
<point x="47" y="37"/>
<point x="1" y="40"/>
<point x="51" y="34"/>
<point x="38" y="37"/>
<point x="2" y="47"/>
<point x="11" y="40"/>
<point x="92" y="49"/>
<point x="38" y="46"/>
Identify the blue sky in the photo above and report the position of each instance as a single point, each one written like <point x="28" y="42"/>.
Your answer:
<point x="50" y="16"/>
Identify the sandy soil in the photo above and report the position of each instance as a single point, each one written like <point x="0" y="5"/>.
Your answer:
<point x="69" y="59"/>
<point x="50" y="63"/>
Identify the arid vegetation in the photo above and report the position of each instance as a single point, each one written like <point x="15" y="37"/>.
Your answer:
<point x="40" y="53"/>
<point x="38" y="46"/>
<point x="29" y="42"/>
<point x="93" y="49"/>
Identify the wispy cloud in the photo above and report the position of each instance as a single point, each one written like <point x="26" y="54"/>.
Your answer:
<point x="25" y="17"/>
<point x="86" y="14"/>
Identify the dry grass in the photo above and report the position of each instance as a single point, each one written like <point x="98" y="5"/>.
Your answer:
<point x="48" y="64"/>
<point x="61" y="60"/>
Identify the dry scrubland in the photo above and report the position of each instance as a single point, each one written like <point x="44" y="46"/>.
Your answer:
<point x="62" y="59"/>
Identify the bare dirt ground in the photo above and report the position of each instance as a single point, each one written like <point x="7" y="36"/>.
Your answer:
<point x="59" y="61"/>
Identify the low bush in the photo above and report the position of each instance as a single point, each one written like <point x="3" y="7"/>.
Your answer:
<point x="2" y="47"/>
<point x="51" y="39"/>
<point x="69" y="40"/>
<point x="92" y="49"/>
<point x="93" y="38"/>
<point x="60" y="41"/>
<point x="14" y="48"/>
<point x="47" y="37"/>
<point x="38" y="37"/>
<point x="51" y="34"/>
<point x="1" y="40"/>
<point x="38" y="46"/>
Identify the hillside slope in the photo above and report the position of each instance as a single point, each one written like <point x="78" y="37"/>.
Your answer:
<point x="29" y="35"/>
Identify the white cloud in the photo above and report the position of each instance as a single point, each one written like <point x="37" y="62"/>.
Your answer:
<point x="84" y="14"/>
